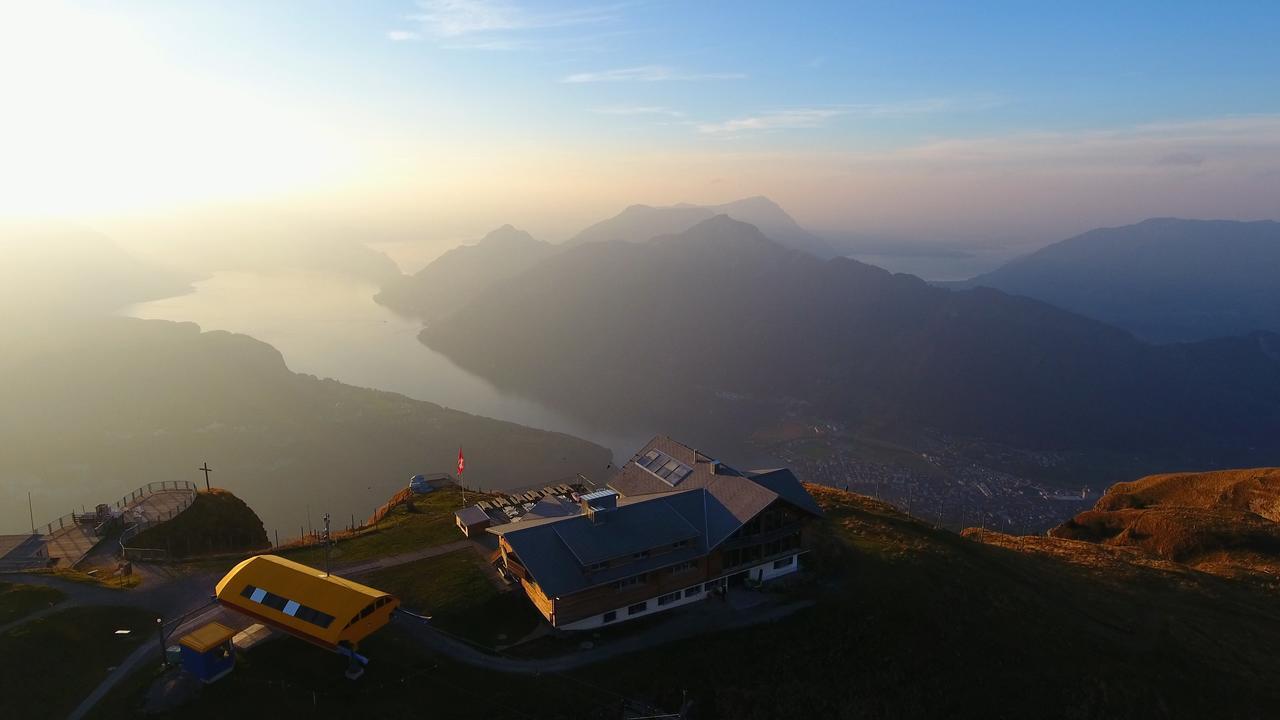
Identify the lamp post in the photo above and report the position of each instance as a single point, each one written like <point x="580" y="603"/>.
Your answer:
<point x="164" y="655"/>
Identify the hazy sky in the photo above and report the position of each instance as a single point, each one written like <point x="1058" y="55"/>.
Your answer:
<point x="396" y="119"/>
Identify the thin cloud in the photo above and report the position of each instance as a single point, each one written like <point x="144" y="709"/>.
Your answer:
<point x="646" y="73"/>
<point x="803" y="118"/>
<point x="654" y="110"/>
<point x="402" y="36"/>
<point x="778" y="120"/>
<point x="458" y="18"/>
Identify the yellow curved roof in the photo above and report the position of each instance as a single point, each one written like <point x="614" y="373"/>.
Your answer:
<point x="306" y="586"/>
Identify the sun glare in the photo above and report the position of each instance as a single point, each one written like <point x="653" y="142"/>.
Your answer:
<point x="100" y="121"/>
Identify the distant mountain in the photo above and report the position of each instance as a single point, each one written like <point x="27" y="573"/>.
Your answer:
<point x="55" y="269"/>
<point x="720" y="319"/>
<point x="640" y="223"/>
<point x="90" y="409"/>
<point x="459" y="275"/>
<point x="1165" y="279"/>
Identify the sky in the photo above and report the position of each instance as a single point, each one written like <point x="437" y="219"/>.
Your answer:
<point x="394" y="120"/>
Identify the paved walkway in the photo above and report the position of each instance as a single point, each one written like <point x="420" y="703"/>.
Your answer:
<point x="364" y="567"/>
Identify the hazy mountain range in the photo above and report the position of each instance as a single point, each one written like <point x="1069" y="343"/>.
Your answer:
<point x="1163" y="279"/>
<point x="56" y="269"/>
<point x="465" y="272"/>
<point x="94" y="407"/>
<point x="640" y="223"/>
<point x="459" y="275"/>
<point x="720" y="318"/>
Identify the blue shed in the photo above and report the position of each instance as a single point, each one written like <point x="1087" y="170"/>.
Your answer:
<point x="207" y="652"/>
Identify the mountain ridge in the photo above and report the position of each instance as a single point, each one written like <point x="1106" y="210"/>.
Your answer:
<point x="854" y="341"/>
<point x="1165" y="279"/>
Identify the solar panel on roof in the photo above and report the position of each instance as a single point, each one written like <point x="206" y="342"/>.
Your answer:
<point x="667" y="468"/>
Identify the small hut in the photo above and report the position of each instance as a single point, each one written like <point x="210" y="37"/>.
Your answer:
<point x="207" y="652"/>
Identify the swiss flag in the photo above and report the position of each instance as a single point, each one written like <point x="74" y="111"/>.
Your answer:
<point x="462" y="462"/>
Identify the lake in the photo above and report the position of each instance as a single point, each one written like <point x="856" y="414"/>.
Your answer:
<point x="328" y="325"/>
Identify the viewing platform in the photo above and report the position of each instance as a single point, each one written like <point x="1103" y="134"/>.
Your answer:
<point x="68" y="540"/>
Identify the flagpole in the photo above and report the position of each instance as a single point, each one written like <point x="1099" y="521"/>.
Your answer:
<point x="462" y="465"/>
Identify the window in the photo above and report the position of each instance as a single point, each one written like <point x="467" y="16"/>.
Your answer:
<point x="625" y="583"/>
<point x="680" y="544"/>
<point x="610" y="616"/>
<point x="695" y="590"/>
<point x="641" y="555"/>
<point x="289" y="607"/>
<point x="638" y="608"/>
<point x="593" y="567"/>
<point x="668" y="598"/>
<point x="711" y="585"/>
<point x="784" y="562"/>
<point x="682" y="567"/>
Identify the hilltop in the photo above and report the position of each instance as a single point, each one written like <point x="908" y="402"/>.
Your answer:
<point x="1221" y="522"/>
<point x="216" y="522"/>
<point x="907" y="621"/>
<point x="1164" y="279"/>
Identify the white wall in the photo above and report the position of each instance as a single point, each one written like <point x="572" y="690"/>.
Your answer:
<point x="766" y="571"/>
<point x="596" y="621"/>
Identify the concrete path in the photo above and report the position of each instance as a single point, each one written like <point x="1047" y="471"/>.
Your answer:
<point x="364" y="567"/>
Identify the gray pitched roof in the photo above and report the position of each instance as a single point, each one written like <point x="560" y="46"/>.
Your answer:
<point x="787" y="486"/>
<point x="705" y="508"/>
<point x="625" y="531"/>
<point x="471" y="515"/>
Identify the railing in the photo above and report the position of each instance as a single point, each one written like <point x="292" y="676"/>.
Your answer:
<point x="132" y="530"/>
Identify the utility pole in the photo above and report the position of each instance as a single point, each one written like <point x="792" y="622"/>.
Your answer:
<point x="326" y="544"/>
<point x="31" y="513"/>
<point x="206" y="470"/>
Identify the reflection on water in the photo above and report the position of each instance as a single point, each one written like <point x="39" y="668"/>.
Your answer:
<point x="328" y="325"/>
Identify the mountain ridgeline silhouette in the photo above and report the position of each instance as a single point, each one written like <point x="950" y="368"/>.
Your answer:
<point x="1165" y="279"/>
<point x="640" y="223"/>
<point x="721" y="316"/>
<point x="461" y="274"/>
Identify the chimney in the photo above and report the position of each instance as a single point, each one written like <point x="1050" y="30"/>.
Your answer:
<point x="599" y="503"/>
<point x="715" y="467"/>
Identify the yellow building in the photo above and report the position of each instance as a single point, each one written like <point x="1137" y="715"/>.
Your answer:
<point x="327" y="610"/>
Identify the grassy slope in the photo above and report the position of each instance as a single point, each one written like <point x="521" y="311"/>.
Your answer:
<point x="48" y="665"/>
<point x="911" y="622"/>
<point x="426" y="523"/>
<point x="18" y="601"/>
<point x="216" y="522"/>
<point x="460" y="598"/>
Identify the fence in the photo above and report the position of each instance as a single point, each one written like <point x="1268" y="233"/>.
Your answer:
<point x="74" y="518"/>
<point x="132" y="530"/>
